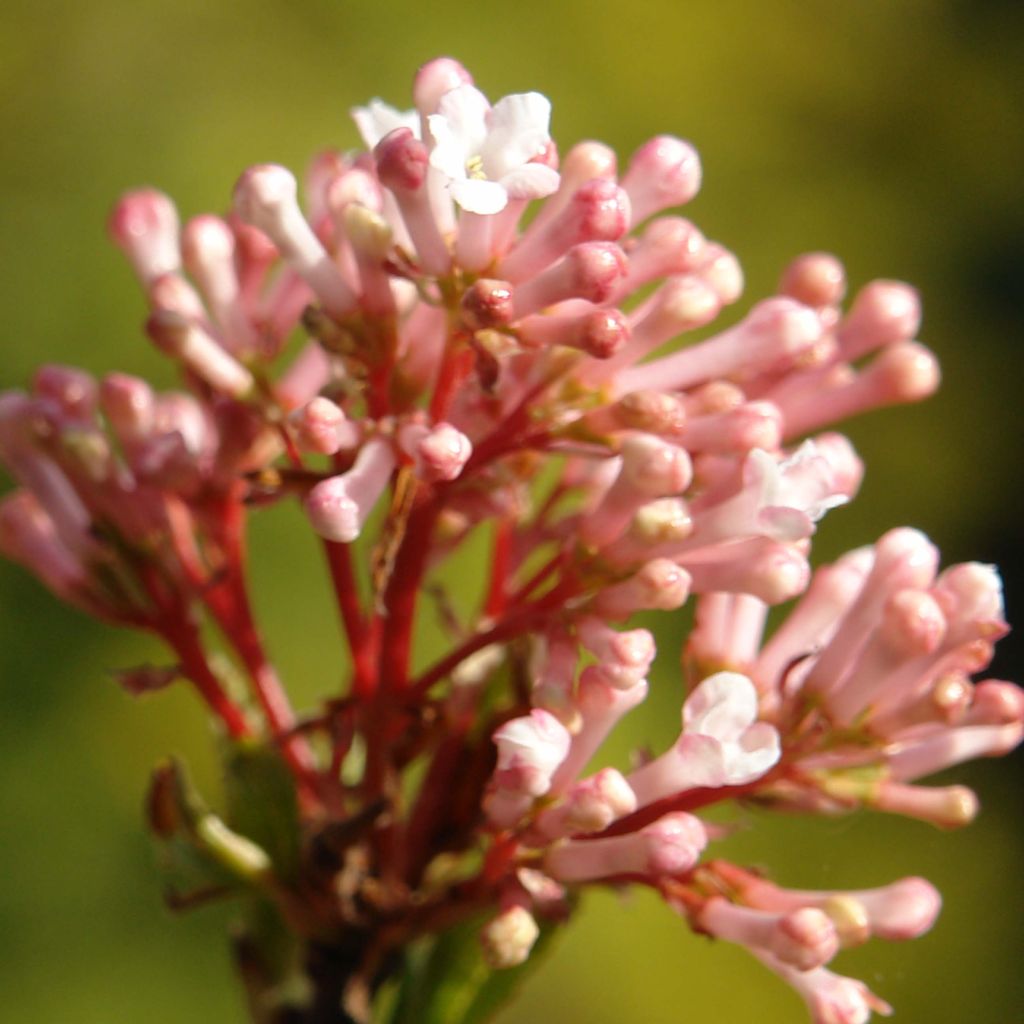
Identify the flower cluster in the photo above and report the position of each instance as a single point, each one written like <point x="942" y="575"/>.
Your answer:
<point x="415" y="361"/>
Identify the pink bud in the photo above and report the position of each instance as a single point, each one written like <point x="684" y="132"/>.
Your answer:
<point x="600" y="706"/>
<point x="951" y="746"/>
<point x="129" y="405"/>
<point x="623" y="658"/>
<point x="680" y="304"/>
<point x="353" y="186"/>
<point x="340" y="505"/>
<point x="996" y="702"/>
<point x="654" y="412"/>
<point x="402" y="166"/>
<point x="904" y="910"/>
<point x="904" y="372"/>
<point x="652" y="468"/>
<point x="588" y="271"/>
<point x="722" y="272"/>
<point x="265" y="196"/>
<point x="28" y="536"/>
<point x="584" y="162"/>
<point x="443" y="452"/>
<point x="815" y="279"/>
<point x="663" y="172"/>
<point x="402" y="161"/>
<point x="762" y="567"/>
<point x="144" y="224"/>
<point x="752" y="425"/>
<point x="208" y="246"/>
<point x="434" y="79"/>
<point x="600" y="333"/>
<point x="200" y="352"/>
<point x="882" y="313"/>
<point x="321" y="426"/>
<point x="590" y="806"/>
<point x="72" y="389"/>
<point x="912" y="623"/>
<point x="321" y="171"/>
<point x="659" y="584"/>
<point x="971" y="595"/>
<point x="802" y="939"/>
<point x="173" y="293"/>
<point x="668" y="246"/>
<point x="488" y="303"/>
<point x="772" y="337"/>
<point x="903" y="558"/>
<point x="944" y="806"/>
<point x="598" y="212"/>
<point x="831" y="998"/>
<point x="670" y="846"/>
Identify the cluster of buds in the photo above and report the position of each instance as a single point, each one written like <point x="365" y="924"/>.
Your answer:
<point x="414" y="360"/>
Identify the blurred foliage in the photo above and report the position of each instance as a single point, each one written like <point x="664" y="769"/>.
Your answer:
<point x="889" y="131"/>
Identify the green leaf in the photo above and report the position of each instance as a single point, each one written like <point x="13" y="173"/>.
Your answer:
<point x="267" y="955"/>
<point x="447" y="981"/>
<point x="262" y="804"/>
<point x="200" y="856"/>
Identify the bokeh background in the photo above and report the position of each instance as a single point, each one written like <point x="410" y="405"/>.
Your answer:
<point x="889" y="131"/>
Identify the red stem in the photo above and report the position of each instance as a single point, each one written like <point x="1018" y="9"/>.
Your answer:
<point x="402" y="593"/>
<point x="691" y="800"/>
<point x="455" y="367"/>
<point x="513" y="625"/>
<point x="537" y="578"/>
<point x="228" y="602"/>
<point x="501" y="559"/>
<point x="183" y="636"/>
<point x="339" y="562"/>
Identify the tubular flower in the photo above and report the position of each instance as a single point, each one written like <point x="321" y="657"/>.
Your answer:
<point x="409" y="353"/>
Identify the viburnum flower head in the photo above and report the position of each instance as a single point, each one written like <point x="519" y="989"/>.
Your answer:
<point x="413" y="357"/>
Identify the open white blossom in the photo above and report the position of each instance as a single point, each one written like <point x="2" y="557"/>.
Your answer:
<point x="486" y="152"/>
<point x="722" y="743"/>
<point x="723" y="710"/>
<point x="792" y="494"/>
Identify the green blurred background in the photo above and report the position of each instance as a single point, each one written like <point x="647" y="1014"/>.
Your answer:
<point x="889" y="131"/>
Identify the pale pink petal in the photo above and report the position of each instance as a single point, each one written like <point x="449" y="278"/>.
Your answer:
<point x="378" y="118"/>
<point x="465" y="111"/>
<point x="723" y="706"/>
<point x="518" y="132"/>
<point x="479" y="196"/>
<point x="531" y="181"/>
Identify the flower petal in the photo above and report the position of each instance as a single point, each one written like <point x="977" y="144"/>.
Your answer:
<point x="531" y="181"/>
<point x="723" y="706"/>
<point x="518" y="132"/>
<point x="378" y="118"/>
<point x="447" y="154"/>
<point x="465" y="111"/>
<point x="757" y="751"/>
<point x="479" y="196"/>
<point x="701" y="762"/>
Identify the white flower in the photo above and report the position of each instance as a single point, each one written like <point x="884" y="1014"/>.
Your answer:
<point x="486" y="153"/>
<point x="721" y="733"/>
<point x="378" y="119"/>
<point x="722" y="743"/>
<point x="793" y="494"/>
